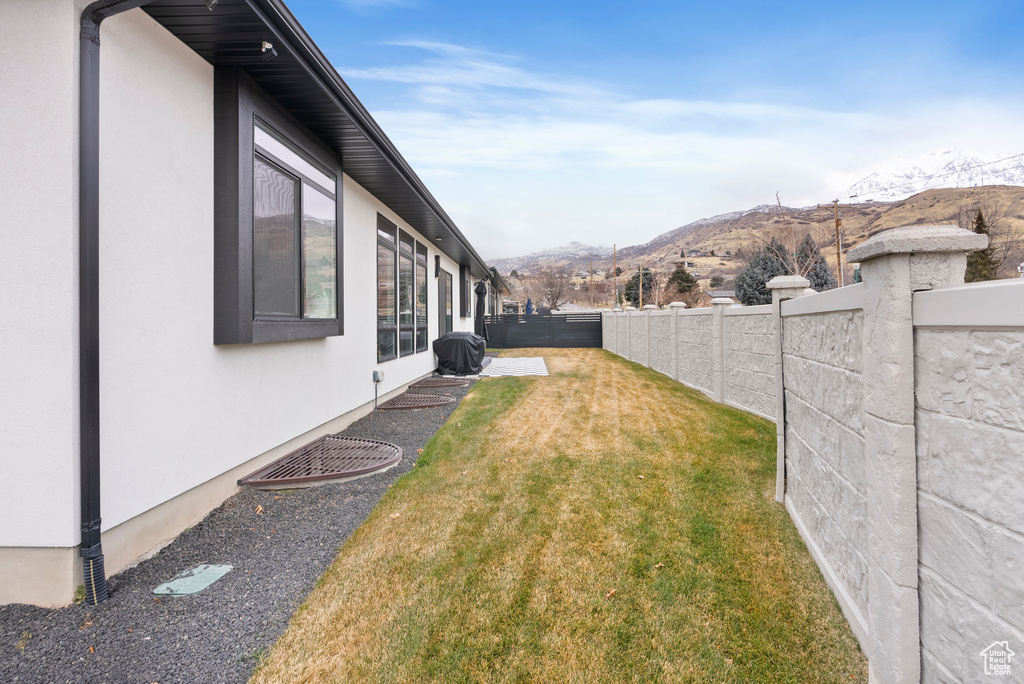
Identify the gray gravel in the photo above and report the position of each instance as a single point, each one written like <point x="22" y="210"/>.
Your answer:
<point x="219" y="634"/>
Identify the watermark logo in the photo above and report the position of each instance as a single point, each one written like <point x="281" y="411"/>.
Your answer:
<point x="997" y="659"/>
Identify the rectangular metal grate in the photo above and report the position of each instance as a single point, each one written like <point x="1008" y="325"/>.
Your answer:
<point x="327" y="458"/>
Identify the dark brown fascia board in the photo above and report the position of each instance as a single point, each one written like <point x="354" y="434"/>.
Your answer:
<point x="280" y="19"/>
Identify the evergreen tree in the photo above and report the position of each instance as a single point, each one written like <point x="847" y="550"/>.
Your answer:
<point x="764" y="265"/>
<point x="682" y="281"/>
<point x="810" y="261"/>
<point x="632" y="291"/>
<point x="981" y="265"/>
<point x="513" y="274"/>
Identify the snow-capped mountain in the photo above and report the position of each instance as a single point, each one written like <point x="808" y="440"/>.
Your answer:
<point x="898" y="178"/>
<point x="572" y="252"/>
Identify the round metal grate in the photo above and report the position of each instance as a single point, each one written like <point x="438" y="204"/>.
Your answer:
<point x="416" y="400"/>
<point x="439" y="382"/>
<point x="327" y="458"/>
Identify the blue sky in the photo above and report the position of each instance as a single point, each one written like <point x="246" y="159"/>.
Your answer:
<point x="538" y="123"/>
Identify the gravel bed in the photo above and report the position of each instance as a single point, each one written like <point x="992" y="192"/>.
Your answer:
<point x="219" y="634"/>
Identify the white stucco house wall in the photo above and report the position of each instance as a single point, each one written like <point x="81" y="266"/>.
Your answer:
<point x="210" y="297"/>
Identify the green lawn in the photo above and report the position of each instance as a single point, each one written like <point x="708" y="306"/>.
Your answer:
<point x="602" y="524"/>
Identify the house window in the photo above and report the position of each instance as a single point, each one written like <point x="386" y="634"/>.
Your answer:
<point x="448" y="311"/>
<point x="421" y="298"/>
<point x="401" y="292"/>
<point x="277" y="221"/>
<point x="465" y="307"/>
<point x="295" y="271"/>
<point x="387" y="318"/>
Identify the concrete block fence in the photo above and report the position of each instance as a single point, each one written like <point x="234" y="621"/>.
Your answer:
<point x="899" y="408"/>
<point x="724" y="351"/>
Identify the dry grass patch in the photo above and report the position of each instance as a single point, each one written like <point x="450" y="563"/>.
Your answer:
<point x="603" y="523"/>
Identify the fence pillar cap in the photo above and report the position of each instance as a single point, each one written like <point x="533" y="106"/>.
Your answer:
<point x="719" y="301"/>
<point x="618" y="308"/>
<point x="677" y="305"/>
<point x="648" y="307"/>
<point x="918" y="239"/>
<point x="630" y="308"/>
<point x="788" y="282"/>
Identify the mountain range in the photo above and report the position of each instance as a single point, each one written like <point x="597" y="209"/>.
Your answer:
<point x="893" y="195"/>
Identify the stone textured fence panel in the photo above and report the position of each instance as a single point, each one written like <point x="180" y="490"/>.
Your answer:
<point x="969" y="381"/>
<point x="622" y="334"/>
<point x="662" y="342"/>
<point x="694" y="360"/>
<point x="638" y="345"/>
<point x="608" y="333"/>
<point x="748" y="359"/>
<point x="826" y="488"/>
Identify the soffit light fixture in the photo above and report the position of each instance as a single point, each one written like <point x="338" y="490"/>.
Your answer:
<point x="268" y="51"/>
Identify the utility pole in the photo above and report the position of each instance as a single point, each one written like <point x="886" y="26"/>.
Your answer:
<point x="590" y="281"/>
<point x="839" y="244"/>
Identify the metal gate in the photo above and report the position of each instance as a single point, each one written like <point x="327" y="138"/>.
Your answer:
<point x="557" y="330"/>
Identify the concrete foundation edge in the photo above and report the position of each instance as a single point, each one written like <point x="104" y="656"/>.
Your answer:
<point x="857" y="621"/>
<point x="48" y="576"/>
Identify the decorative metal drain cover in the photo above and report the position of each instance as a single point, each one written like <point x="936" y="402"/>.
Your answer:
<point x="328" y="458"/>
<point x="193" y="580"/>
<point x="416" y="400"/>
<point x="439" y="382"/>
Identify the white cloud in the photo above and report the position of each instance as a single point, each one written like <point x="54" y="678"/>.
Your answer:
<point x="523" y="159"/>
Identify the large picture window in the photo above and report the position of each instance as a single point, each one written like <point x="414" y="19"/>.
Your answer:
<point x="401" y="292"/>
<point x="277" y="221"/>
<point x="294" y="239"/>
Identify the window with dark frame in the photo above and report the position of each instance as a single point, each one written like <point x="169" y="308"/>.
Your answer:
<point x="465" y="307"/>
<point x="401" y="292"/>
<point x="277" y="221"/>
<point x="421" y="297"/>
<point x="449" y="310"/>
<point x="294" y="239"/>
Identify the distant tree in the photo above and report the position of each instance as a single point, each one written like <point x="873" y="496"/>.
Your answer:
<point x="717" y="281"/>
<point x="764" y="265"/>
<point x="632" y="290"/>
<point x="554" y="285"/>
<point x="513" y="274"/>
<point x="981" y="265"/>
<point x="618" y="271"/>
<point x="812" y="264"/>
<point x="712" y="252"/>
<point x="728" y="253"/>
<point x="681" y="280"/>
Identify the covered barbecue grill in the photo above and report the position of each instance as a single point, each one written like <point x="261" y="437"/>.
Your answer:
<point x="460" y="353"/>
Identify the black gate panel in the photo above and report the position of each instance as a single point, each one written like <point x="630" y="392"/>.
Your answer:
<point x="556" y="330"/>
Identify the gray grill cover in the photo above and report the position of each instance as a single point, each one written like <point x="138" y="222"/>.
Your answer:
<point x="460" y="353"/>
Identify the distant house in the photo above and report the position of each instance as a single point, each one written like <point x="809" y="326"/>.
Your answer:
<point x="724" y="294"/>
<point x="696" y="253"/>
<point x="286" y="248"/>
